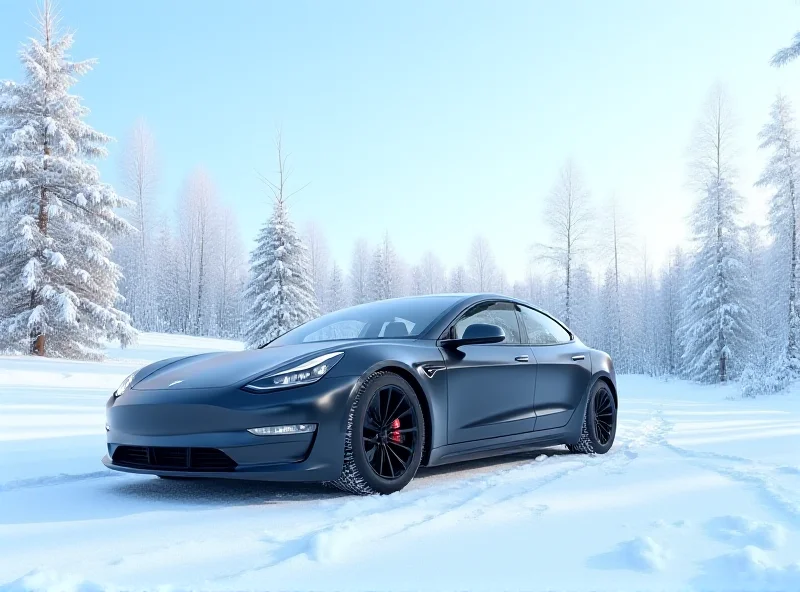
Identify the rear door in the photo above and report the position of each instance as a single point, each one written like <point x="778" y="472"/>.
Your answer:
<point x="564" y="368"/>
<point x="490" y="387"/>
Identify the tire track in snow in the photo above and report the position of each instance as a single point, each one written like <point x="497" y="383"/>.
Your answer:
<point x="376" y="518"/>
<point x="441" y="506"/>
<point x="748" y="472"/>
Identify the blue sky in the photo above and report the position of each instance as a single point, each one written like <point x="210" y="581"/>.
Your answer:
<point x="433" y="120"/>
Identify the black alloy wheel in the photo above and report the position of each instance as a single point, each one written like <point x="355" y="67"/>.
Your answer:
<point x="599" y="425"/>
<point x="603" y="415"/>
<point x="384" y="437"/>
<point x="390" y="432"/>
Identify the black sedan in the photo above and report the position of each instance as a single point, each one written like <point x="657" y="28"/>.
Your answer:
<point x="362" y="397"/>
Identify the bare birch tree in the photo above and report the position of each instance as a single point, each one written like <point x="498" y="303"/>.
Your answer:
<point x="139" y="173"/>
<point x="569" y="215"/>
<point x="482" y="265"/>
<point x="432" y="274"/>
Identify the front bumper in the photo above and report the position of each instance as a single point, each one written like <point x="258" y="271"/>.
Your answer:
<point x="219" y="418"/>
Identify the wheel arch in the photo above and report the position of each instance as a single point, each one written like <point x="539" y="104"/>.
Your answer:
<point x="605" y="377"/>
<point x="407" y="374"/>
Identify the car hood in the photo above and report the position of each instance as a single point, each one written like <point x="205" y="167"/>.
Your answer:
<point x="219" y="369"/>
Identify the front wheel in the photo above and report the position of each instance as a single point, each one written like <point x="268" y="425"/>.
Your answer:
<point x="384" y="437"/>
<point x="599" y="421"/>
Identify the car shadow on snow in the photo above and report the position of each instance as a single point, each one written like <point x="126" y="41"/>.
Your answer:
<point x="229" y="492"/>
<point x="485" y="465"/>
<point x="221" y="492"/>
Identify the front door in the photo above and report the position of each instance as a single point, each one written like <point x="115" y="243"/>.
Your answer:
<point x="490" y="387"/>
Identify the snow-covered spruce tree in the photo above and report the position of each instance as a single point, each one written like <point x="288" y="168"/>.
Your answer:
<point x="281" y="289"/>
<point x="781" y="175"/>
<point x="59" y="282"/>
<point x="716" y="324"/>
<point x="786" y="54"/>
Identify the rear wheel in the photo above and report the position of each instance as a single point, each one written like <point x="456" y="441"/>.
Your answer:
<point x="599" y="421"/>
<point x="384" y="437"/>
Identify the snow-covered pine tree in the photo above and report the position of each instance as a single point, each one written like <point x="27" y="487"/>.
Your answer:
<point x="60" y="284"/>
<point x="786" y="54"/>
<point x="716" y="324"/>
<point x="281" y="289"/>
<point x="782" y="175"/>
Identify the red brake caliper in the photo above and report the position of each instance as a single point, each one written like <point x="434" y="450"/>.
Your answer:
<point x="394" y="433"/>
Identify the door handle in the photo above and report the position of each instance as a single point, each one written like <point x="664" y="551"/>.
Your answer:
<point x="578" y="358"/>
<point x="521" y="358"/>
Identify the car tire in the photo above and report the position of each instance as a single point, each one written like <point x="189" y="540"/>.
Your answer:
<point x="359" y="476"/>
<point x="599" y="427"/>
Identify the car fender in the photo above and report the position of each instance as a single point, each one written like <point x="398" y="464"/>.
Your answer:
<point x="432" y="392"/>
<point x="603" y="367"/>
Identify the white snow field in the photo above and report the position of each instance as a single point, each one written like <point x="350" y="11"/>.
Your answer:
<point x="700" y="492"/>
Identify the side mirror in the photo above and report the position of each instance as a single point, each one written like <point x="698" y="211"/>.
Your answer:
<point x="477" y="334"/>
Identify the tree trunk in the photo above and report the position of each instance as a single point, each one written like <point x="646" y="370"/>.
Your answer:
<point x="723" y="376"/>
<point x="617" y="310"/>
<point x="39" y="342"/>
<point x="792" y="345"/>
<point x="569" y="274"/>
<point x="199" y="317"/>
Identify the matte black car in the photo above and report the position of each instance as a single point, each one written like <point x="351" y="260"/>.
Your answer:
<point x="362" y="397"/>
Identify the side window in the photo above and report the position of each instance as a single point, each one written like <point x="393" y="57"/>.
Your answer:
<point x="541" y="329"/>
<point x="492" y="313"/>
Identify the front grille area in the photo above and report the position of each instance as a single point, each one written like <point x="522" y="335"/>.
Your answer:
<point x="173" y="459"/>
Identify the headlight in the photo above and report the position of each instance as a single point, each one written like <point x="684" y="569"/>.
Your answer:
<point x="124" y="386"/>
<point x="304" y="373"/>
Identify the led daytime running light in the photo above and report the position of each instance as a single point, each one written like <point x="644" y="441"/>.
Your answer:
<point x="305" y="373"/>
<point x="284" y="430"/>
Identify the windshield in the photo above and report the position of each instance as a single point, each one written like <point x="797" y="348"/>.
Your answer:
<point x="385" y="319"/>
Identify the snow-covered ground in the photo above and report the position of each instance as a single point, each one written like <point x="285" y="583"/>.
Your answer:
<point x="701" y="491"/>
